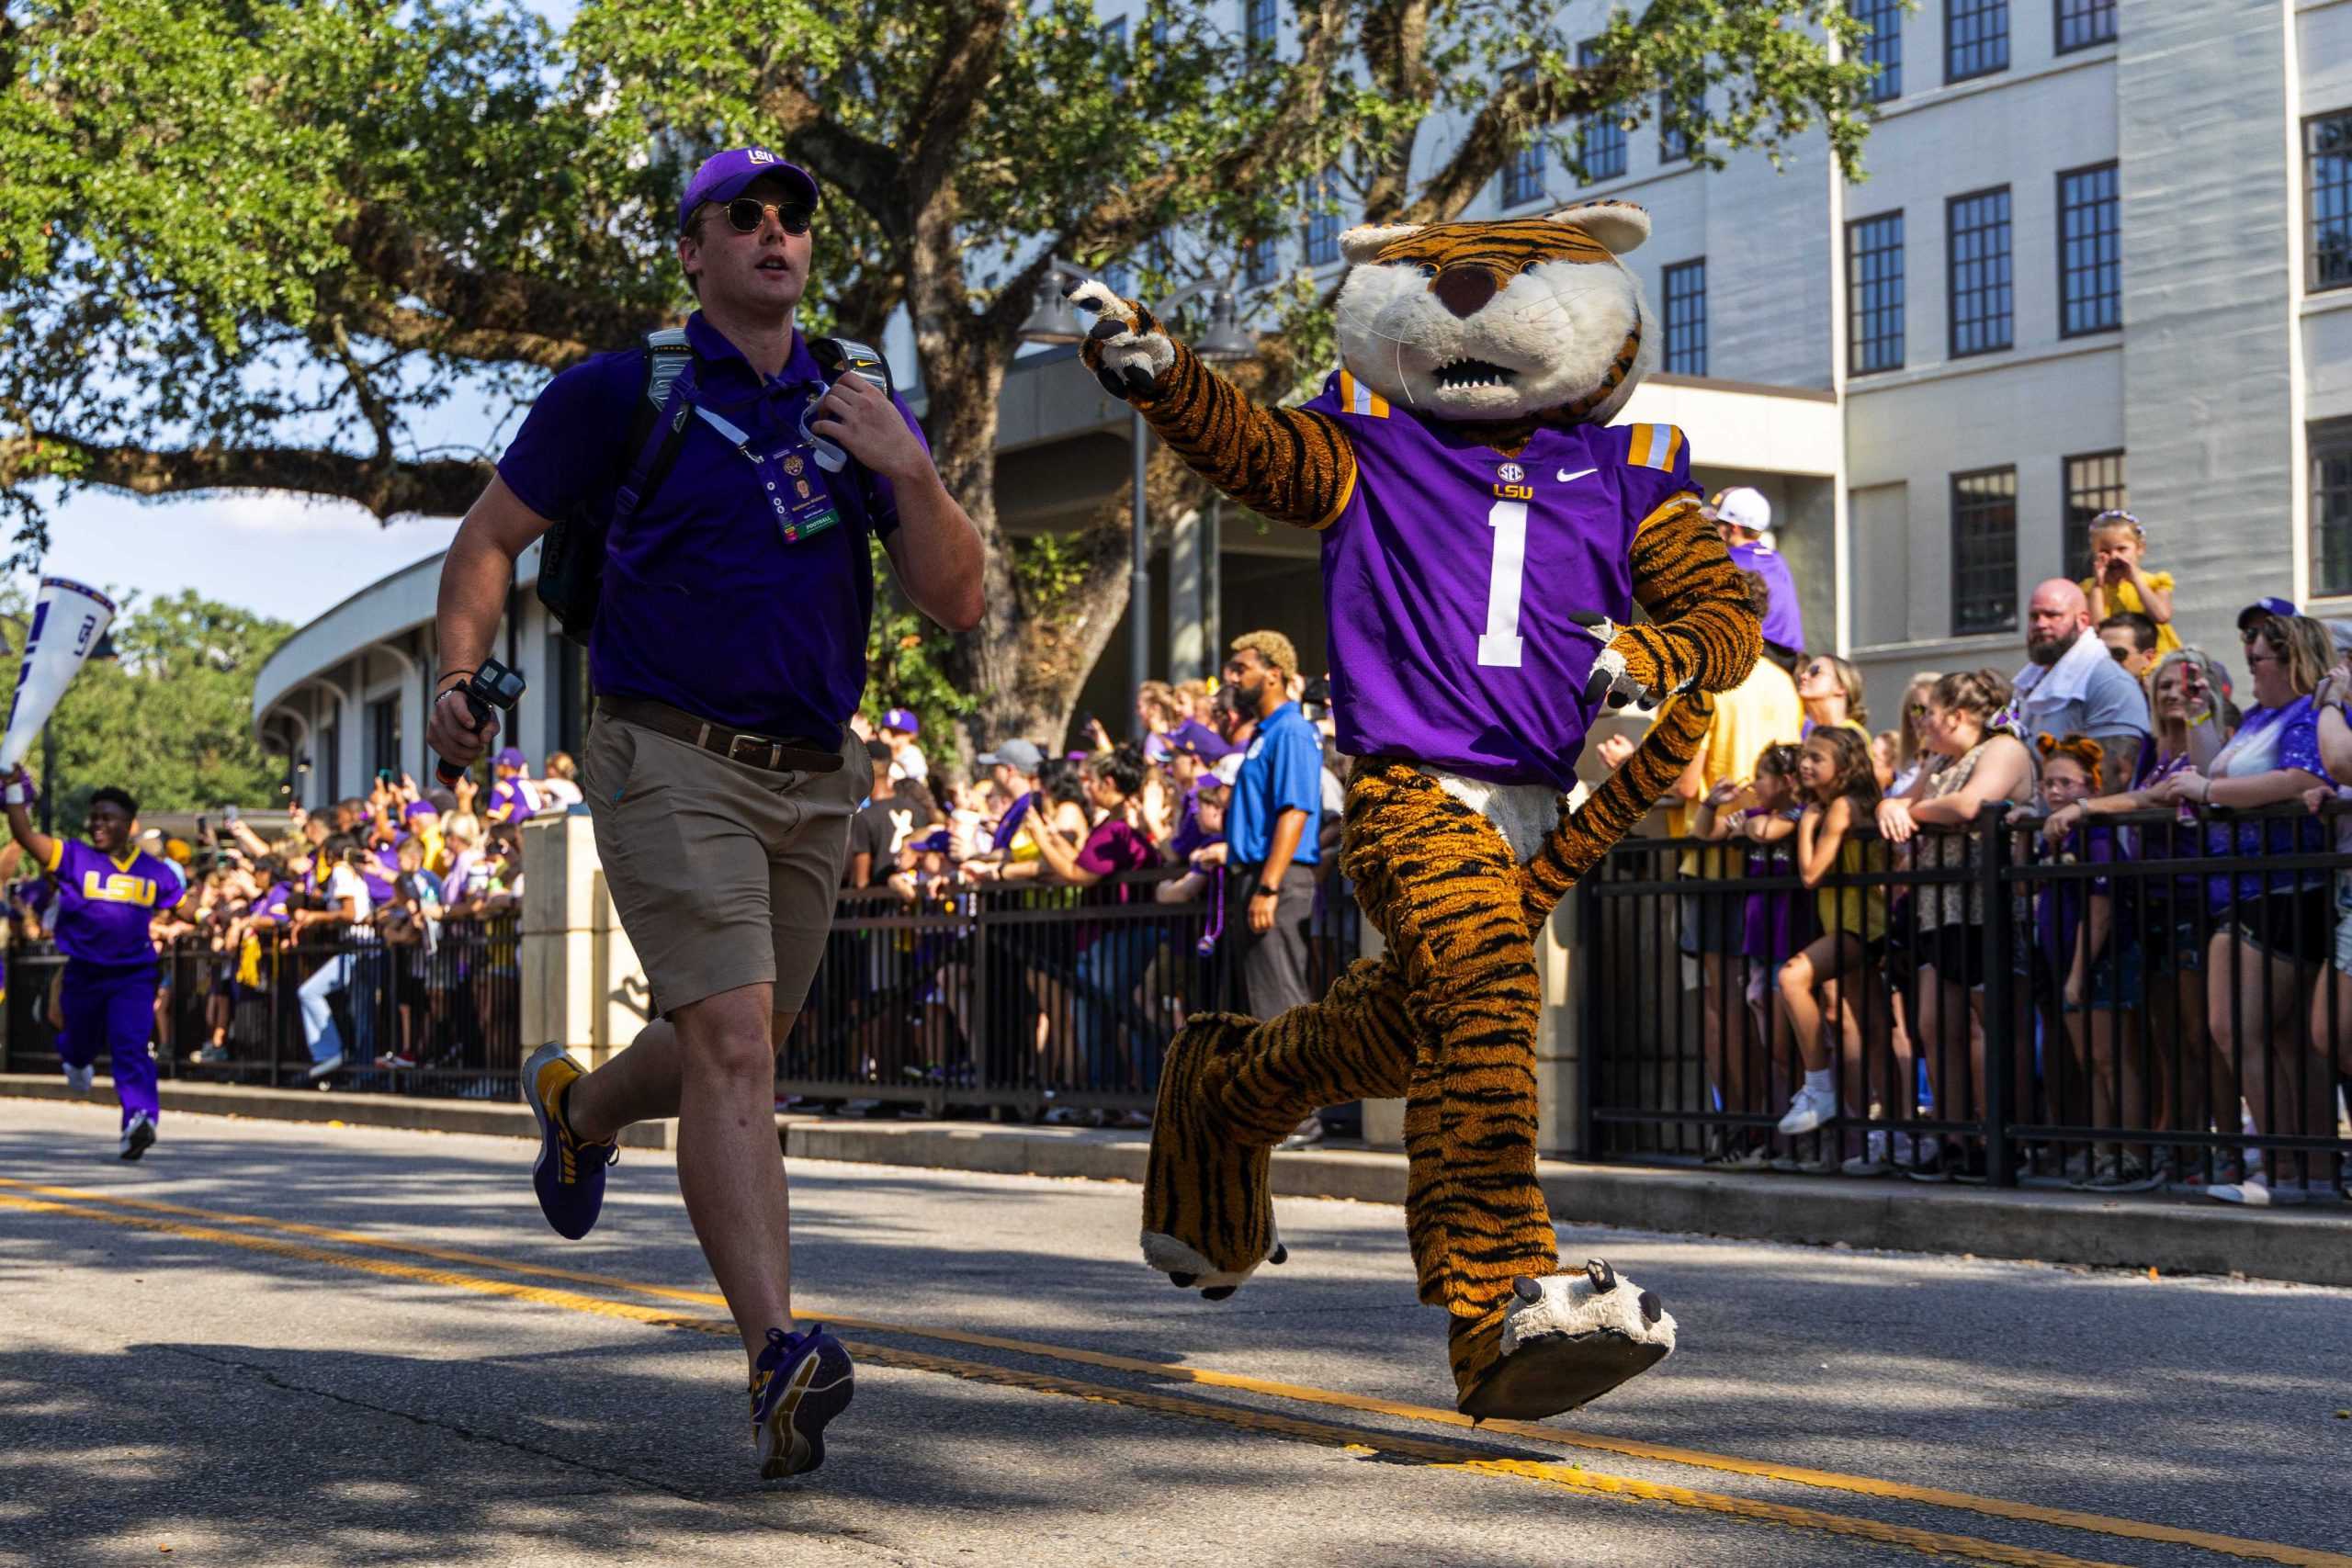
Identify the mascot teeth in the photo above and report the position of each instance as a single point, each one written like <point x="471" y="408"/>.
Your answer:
<point x="1473" y="373"/>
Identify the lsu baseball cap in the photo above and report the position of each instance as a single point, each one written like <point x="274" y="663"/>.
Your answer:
<point x="509" y="757"/>
<point x="726" y="175"/>
<point x="2269" y="605"/>
<point x="902" y="721"/>
<point x="1022" y="755"/>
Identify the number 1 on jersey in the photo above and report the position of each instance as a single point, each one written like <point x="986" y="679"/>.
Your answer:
<point x="1498" y="645"/>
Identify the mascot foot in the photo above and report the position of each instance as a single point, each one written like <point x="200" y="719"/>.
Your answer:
<point x="1561" y="1341"/>
<point x="1208" y="1203"/>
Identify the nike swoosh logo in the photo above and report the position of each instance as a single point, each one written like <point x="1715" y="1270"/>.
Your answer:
<point x="1564" y="476"/>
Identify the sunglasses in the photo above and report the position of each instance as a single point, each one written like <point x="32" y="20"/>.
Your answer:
<point x="745" y="214"/>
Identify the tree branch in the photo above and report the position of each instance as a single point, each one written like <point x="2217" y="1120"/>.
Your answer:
<point x="944" y="108"/>
<point x="521" y="318"/>
<point x="440" y="488"/>
<point x="1517" y="102"/>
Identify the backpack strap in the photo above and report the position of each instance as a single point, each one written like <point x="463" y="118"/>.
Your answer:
<point x="659" y="420"/>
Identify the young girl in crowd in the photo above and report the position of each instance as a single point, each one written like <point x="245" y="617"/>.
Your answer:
<point x="1840" y="793"/>
<point x="2120" y="579"/>
<point x="1773" y="926"/>
<point x="1831" y="690"/>
<point x="2087" y="968"/>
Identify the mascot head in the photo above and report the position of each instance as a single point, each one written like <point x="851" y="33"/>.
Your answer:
<point x="1511" y="320"/>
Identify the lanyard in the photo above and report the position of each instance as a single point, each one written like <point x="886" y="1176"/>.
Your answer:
<point x="790" y="482"/>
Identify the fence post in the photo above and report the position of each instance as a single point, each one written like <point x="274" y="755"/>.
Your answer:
<point x="1586" y="1000"/>
<point x="2000" y="1044"/>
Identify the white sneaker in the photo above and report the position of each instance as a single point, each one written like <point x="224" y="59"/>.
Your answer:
<point x="1808" y="1111"/>
<point x="78" y="1078"/>
<point x="2259" y="1194"/>
<point x="138" y="1136"/>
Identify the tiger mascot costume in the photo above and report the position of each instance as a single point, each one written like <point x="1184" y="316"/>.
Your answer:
<point x="1485" y="537"/>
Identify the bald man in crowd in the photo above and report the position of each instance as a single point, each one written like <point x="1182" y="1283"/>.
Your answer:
<point x="2072" y="685"/>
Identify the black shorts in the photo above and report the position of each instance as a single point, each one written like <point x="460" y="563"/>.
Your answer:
<point x="2294" y="927"/>
<point x="1955" y="953"/>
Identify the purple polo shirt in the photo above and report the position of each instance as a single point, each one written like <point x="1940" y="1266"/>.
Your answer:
<point x="1784" y="620"/>
<point x="104" y="905"/>
<point x="704" y="606"/>
<point x="1448" y="577"/>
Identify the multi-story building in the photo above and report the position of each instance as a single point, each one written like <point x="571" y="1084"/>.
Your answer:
<point x="2102" y="256"/>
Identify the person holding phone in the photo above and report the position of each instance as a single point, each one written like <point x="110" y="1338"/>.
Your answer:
<point x="728" y="657"/>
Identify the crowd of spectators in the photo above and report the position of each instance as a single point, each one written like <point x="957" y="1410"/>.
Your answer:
<point x="1864" y="1000"/>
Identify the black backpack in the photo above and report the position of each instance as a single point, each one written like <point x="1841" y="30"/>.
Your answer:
<point x="571" y="552"/>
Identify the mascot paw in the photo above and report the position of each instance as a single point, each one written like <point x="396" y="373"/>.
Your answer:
<point x="1560" y="1342"/>
<point x="1208" y="1203"/>
<point x="1127" y="350"/>
<point x="1628" y="668"/>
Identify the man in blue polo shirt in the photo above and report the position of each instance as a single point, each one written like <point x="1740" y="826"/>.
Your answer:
<point x="727" y="656"/>
<point x="1270" y="832"/>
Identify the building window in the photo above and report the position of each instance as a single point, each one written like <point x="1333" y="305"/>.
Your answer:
<point x="2082" y="23"/>
<point x="1258" y="19"/>
<point x="1261" y="261"/>
<point x="1323" y="221"/>
<point x="1976" y="37"/>
<point x="2331" y="457"/>
<point x="1686" y="318"/>
<point x="2094" y="484"/>
<point x="1985" y="551"/>
<point x="1874" y="294"/>
<point x="1978" y="226"/>
<point x="1600" y="139"/>
<point x="384" y="735"/>
<point x="2327" y="153"/>
<point x="1523" y="175"/>
<point x="1674" y="139"/>
<point x="1882" y="50"/>
<point x="2090" y="252"/>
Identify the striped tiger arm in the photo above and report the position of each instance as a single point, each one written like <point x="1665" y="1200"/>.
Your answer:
<point x="1285" y="464"/>
<point x="1703" y="633"/>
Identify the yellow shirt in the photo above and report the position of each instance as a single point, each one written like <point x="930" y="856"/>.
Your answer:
<point x="1856" y="911"/>
<point x="2125" y="595"/>
<point x="1761" y="711"/>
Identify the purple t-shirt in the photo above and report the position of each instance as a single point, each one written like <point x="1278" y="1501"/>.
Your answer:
<point x="1783" y="620"/>
<point x="705" y="604"/>
<point x="512" y="800"/>
<point x="1010" y="823"/>
<point x="1450" y="574"/>
<point x="1769" y="930"/>
<point x="2268" y="740"/>
<point x="2061" y="909"/>
<point x="104" y="905"/>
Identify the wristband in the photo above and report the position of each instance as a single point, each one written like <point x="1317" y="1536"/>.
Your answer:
<point x="1262" y="891"/>
<point x="461" y="675"/>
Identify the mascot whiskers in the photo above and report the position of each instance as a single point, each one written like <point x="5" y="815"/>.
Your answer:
<point x="1485" y="538"/>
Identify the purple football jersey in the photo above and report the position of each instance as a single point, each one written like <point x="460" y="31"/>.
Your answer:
<point x="104" y="905"/>
<point x="1450" y="573"/>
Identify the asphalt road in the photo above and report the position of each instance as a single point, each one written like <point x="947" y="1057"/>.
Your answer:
<point x="427" y="1375"/>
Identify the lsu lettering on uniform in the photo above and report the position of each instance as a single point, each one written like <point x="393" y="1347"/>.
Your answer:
<point x="104" y="907"/>
<point x="1450" y="572"/>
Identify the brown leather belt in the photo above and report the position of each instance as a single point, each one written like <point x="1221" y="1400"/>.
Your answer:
<point x="749" y="746"/>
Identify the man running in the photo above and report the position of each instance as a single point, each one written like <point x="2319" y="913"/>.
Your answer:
<point x="728" y="657"/>
<point x="109" y="892"/>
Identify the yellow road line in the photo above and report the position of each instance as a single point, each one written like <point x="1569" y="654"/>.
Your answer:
<point x="1444" y="1455"/>
<point x="1962" y="1502"/>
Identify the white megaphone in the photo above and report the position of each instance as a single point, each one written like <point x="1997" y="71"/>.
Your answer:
<point x="67" y="622"/>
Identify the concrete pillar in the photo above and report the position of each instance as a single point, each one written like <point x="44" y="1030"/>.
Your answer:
<point x="1188" y="648"/>
<point x="582" y="983"/>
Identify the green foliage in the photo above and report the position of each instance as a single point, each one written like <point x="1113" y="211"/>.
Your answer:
<point x="169" y="719"/>
<point x="1047" y="568"/>
<point x="906" y="659"/>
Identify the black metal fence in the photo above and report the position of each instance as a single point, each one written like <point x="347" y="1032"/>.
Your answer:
<point x="432" y="1017"/>
<point x="1024" y="997"/>
<point x="2157" y="1001"/>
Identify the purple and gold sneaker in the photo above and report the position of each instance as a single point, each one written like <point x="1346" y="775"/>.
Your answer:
<point x="569" y="1171"/>
<point x="800" y="1382"/>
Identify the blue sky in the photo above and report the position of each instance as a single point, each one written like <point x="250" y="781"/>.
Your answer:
<point x="279" y="554"/>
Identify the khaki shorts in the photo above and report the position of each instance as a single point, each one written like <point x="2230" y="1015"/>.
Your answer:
<point x="725" y="874"/>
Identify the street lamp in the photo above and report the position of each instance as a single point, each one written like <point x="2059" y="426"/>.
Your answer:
<point x="1052" y="319"/>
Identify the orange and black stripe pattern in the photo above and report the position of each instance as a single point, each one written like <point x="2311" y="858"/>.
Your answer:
<point x="1501" y="246"/>
<point x="1285" y="464"/>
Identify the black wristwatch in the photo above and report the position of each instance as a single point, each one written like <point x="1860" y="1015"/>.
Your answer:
<point x="1265" y="892"/>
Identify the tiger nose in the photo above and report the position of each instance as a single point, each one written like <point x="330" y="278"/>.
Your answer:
<point x="1464" y="289"/>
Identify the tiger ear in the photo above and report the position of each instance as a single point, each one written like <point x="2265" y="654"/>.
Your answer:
<point x="1366" y="241"/>
<point x="1620" y="226"/>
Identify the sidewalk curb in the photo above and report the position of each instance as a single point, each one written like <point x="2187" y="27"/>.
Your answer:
<point x="2174" y="1237"/>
